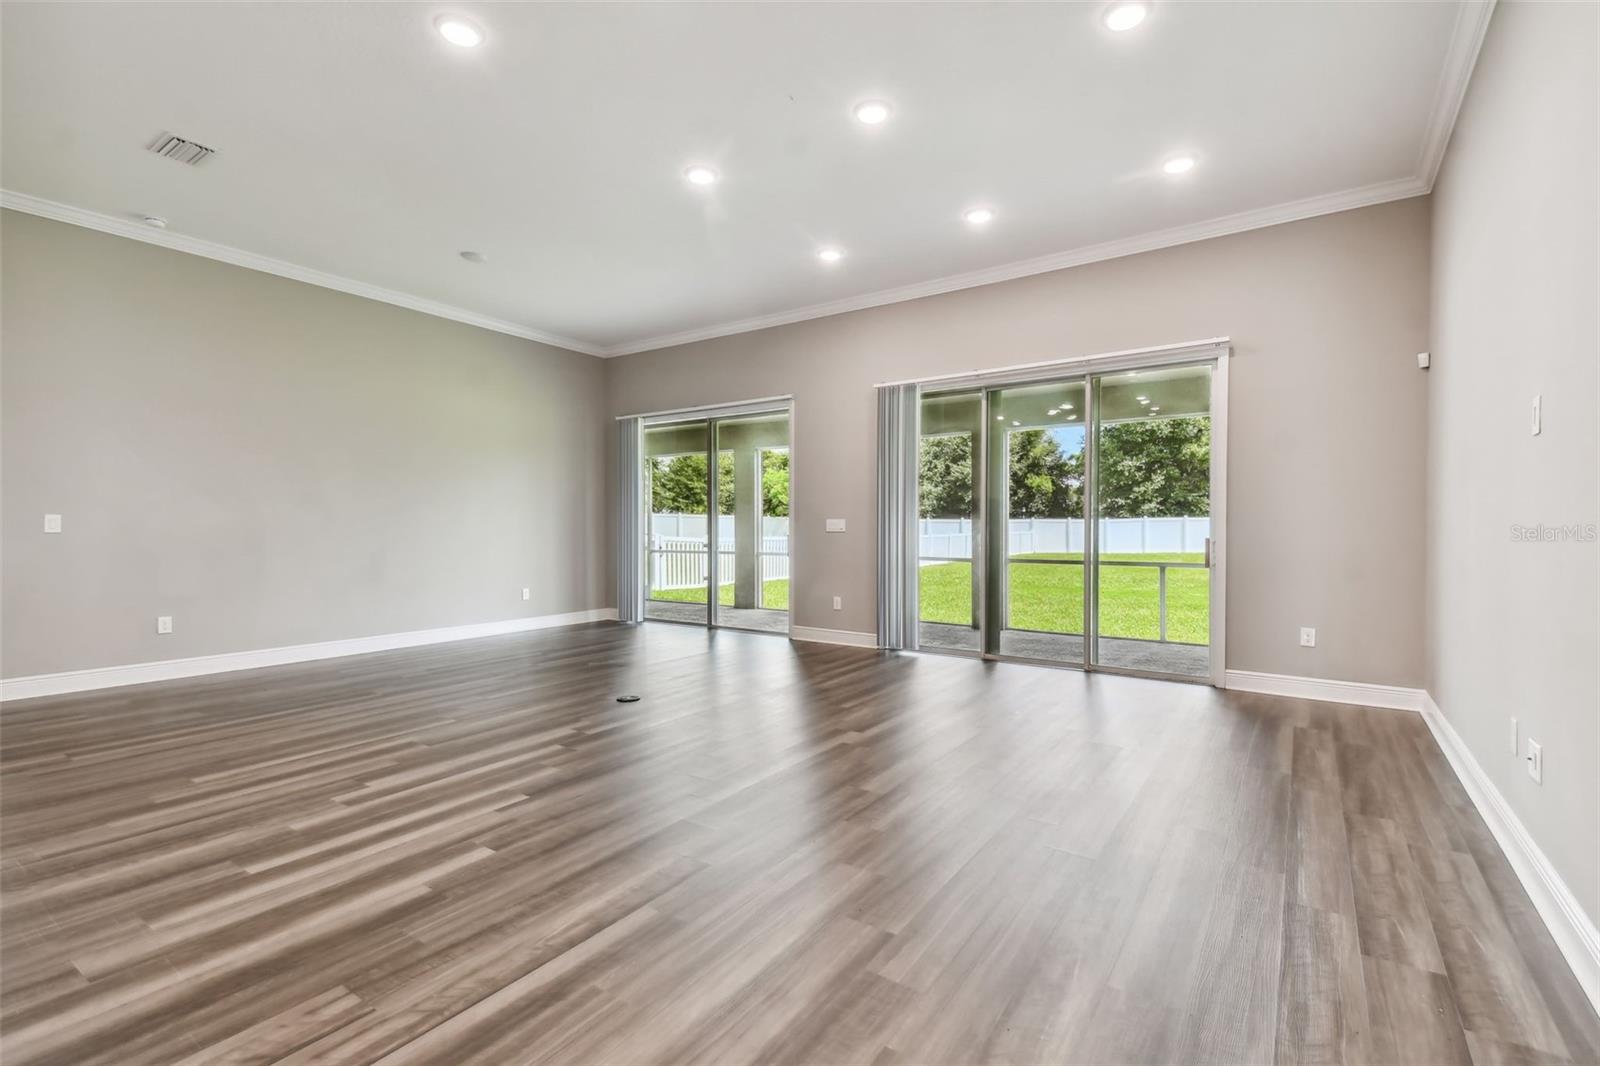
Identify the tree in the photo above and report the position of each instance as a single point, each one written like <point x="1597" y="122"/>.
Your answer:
<point x="1045" y="481"/>
<point x="1155" y="467"/>
<point x="678" y="483"/>
<point x="1149" y="467"/>
<point x="775" y="483"/>
<point x="944" y="489"/>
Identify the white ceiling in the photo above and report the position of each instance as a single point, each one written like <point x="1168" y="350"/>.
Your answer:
<point x="356" y="148"/>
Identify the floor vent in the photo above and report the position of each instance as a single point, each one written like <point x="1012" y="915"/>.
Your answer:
<point x="174" y="147"/>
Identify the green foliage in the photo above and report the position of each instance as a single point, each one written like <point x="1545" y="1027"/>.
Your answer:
<point x="775" y="484"/>
<point x="1045" y="481"/>
<point x="678" y="483"/>
<point x="945" y="488"/>
<point x="1155" y="467"/>
<point x="1152" y="467"/>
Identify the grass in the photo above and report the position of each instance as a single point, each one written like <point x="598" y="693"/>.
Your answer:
<point x="774" y="597"/>
<point x="1049" y="598"/>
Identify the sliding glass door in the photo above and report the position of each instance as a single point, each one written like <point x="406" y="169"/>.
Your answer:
<point x="716" y="528"/>
<point x="1036" y="486"/>
<point x="1152" y="503"/>
<point x="1069" y="520"/>
<point x="753" y="522"/>
<point x="949" y="586"/>
<point x="677" y="488"/>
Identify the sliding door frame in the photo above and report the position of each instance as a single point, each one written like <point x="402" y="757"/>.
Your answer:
<point x="1215" y="352"/>
<point x="713" y="415"/>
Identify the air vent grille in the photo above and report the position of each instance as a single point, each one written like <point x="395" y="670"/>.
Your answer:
<point x="184" y="151"/>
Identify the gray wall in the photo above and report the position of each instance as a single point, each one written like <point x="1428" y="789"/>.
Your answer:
<point x="1513" y="625"/>
<point x="272" y="463"/>
<point x="1326" y="419"/>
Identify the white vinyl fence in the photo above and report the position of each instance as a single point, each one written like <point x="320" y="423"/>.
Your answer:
<point x="678" y="542"/>
<point x="951" y="538"/>
<point x="678" y="550"/>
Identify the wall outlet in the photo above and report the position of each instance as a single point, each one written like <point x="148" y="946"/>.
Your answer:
<point x="838" y="603"/>
<point x="1514" y="744"/>
<point x="164" y="623"/>
<point x="1308" y="637"/>
<point x="527" y="594"/>
<point x="1536" y="421"/>
<point x="1536" y="761"/>
<point x="52" y="523"/>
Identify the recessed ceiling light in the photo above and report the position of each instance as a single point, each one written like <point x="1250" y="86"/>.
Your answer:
<point x="1179" y="164"/>
<point x="830" y="255"/>
<point x="1014" y="422"/>
<point x="1053" y="411"/>
<point x="701" y="175"/>
<point x="154" y="220"/>
<point x="475" y="257"/>
<point x="872" y="113"/>
<point x="1153" y="409"/>
<point x="463" y="33"/>
<point x="999" y="418"/>
<point x="980" y="216"/>
<point x="1142" y="399"/>
<point x="1066" y="407"/>
<point x="1121" y="17"/>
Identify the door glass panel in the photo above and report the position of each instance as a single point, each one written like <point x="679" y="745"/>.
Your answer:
<point x="677" y="533"/>
<point x="1037" y="487"/>
<point x="753" y="522"/>
<point x="947" y="513"/>
<point x="1152" y="487"/>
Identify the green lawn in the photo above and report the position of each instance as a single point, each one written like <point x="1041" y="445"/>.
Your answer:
<point x="774" y="597"/>
<point x="1049" y="598"/>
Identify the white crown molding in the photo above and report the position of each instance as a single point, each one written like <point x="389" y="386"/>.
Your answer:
<point x="138" y="231"/>
<point x="848" y="637"/>
<point x="1572" y="929"/>
<point x="1466" y="40"/>
<point x="1358" y="693"/>
<point x="1326" y="204"/>
<point x="24" y="688"/>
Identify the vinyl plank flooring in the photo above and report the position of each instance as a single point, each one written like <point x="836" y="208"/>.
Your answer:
<point x="783" y="853"/>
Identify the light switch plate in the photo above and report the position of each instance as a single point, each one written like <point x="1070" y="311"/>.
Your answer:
<point x="52" y="523"/>
<point x="835" y="525"/>
<point x="164" y="623"/>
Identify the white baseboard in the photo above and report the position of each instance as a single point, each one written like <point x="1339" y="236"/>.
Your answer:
<point x="1573" y="930"/>
<point x="22" y="688"/>
<point x="834" y="636"/>
<point x="1316" y="688"/>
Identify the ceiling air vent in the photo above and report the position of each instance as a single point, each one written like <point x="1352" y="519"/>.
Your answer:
<point x="174" y="147"/>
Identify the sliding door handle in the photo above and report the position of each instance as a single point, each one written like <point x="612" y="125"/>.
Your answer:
<point x="1210" y="560"/>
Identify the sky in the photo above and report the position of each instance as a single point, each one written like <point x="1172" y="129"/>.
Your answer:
<point x="1069" y="437"/>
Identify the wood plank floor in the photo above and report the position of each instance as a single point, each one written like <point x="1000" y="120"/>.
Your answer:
<point x="471" y="853"/>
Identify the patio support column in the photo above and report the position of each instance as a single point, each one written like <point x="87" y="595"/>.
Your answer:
<point x="746" y="524"/>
